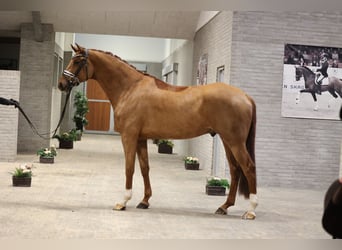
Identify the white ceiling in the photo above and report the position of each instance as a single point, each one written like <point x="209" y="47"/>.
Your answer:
<point x="164" y="24"/>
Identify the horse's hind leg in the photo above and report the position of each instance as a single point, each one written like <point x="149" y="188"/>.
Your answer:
<point x="145" y="169"/>
<point x="248" y="170"/>
<point x="235" y="173"/>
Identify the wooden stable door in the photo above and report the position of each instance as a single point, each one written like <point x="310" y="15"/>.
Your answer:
<point x="100" y="111"/>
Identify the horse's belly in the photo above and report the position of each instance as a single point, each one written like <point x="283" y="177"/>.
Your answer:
<point x="178" y="129"/>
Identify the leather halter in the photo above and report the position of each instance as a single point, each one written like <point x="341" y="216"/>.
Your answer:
<point x="72" y="78"/>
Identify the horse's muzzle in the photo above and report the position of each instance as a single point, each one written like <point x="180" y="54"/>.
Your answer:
<point x="63" y="86"/>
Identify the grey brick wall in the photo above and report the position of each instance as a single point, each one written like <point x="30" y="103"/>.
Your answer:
<point x="289" y="152"/>
<point x="36" y="65"/>
<point x="9" y="88"/>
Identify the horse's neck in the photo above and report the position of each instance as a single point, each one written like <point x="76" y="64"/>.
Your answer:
<point x="115" y="76"/>
<point x="308" y="74"/>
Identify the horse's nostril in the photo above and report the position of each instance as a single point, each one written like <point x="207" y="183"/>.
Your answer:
<point x="60" y="86"/>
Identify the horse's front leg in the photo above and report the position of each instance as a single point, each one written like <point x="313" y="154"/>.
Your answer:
<point x="129" y="143"/>
<point x="298" y="97"/>
<point x="315" y="101"/>
<point x="145" y="169"/>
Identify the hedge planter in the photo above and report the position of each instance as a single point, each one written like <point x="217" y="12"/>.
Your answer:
<point x="66" y="144"/>
<point x="191" y="166"/>
<point x="215" y="190"/>
<point x="163" y="148"/>
<point x="49" y="160"/>
<point x="21" y="181"/>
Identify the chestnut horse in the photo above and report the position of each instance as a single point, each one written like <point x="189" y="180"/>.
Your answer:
<point x="146" y="108"/>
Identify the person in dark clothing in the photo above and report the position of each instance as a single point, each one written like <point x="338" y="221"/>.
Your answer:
<point x="332" y="215"/>
<point x="322" y="73"/>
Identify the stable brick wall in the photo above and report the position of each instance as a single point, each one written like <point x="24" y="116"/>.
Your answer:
<point x="36" y="65"/>
<point x="290" y="152"/>
<point x="298" y="153"/>
<point x="9" y="88"/>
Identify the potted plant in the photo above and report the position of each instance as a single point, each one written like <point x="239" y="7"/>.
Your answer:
<point x="47" y="155"/>
<point x="216" y="186"/>
<point x="78" y="135"/>
<point x="21" y="177"/>
<point x="81" y="105"/>
<point x="66" y="139"/>
<point x="191" y="163"/>
<point x="165" y="146"/>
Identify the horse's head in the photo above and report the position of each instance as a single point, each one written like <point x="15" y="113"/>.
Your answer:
<point x="299" y="73"/>
<point x="78" y="70"/>
<point x="305" y="72"/>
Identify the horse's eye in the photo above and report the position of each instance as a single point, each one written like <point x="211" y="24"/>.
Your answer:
<point x="76" y="62"/>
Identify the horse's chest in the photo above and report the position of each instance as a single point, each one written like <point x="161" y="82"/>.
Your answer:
<point x="125" y="118"/>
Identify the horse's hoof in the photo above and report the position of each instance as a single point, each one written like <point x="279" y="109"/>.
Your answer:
<point x="142" y="205"/>
<point x="119" y="207"/>
<point x="250" y="215"/>
<point x="221" y="211"/>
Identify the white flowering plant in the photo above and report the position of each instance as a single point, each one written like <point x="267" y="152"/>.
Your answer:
<point x="67" y="136"/>
<point x="47" y="152"/>
<point x="23" y="171"/>
<point x="165" y="141"/>
<point x="191" y="160"/>
<point x="218" y="182"/>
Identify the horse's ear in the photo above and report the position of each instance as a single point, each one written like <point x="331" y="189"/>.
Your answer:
<point x="78" y="46"/>
<point x="80" y="49"/>
<point x="74" y="48"/>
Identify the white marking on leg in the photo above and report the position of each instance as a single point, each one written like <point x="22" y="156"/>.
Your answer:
<point x="127" y="196"/>
<point x="253" y="199"/>
<point x="316" y="106"/>
<point x="250" y="214"/>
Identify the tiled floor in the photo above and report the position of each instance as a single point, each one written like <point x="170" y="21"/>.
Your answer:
<point x="73" y="198"/>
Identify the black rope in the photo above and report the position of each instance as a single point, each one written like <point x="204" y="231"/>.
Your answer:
<point x="16" y="104"/>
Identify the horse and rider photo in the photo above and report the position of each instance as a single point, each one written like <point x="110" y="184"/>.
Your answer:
<point x="312" y="82"/>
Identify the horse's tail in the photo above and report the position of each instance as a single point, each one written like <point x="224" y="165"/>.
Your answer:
<point x="250" y="144"/>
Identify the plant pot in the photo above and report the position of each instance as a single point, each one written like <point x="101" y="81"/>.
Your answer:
<point x="79" y="124"/>
<point x="78" y="137"/>
<point x="21" y="181"/>
<point x="215" y="190"/>
<point x="191" y="166"/>
<point x="163" y="148"/>
<point x="66" y="144"/>
<point x="49" y="160"/>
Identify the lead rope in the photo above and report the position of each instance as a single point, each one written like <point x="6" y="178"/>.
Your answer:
<point x="15" y="103"/>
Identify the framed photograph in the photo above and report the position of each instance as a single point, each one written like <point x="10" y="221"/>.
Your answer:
<point x="202" y="70"/>
<point x="312" y="82"/>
